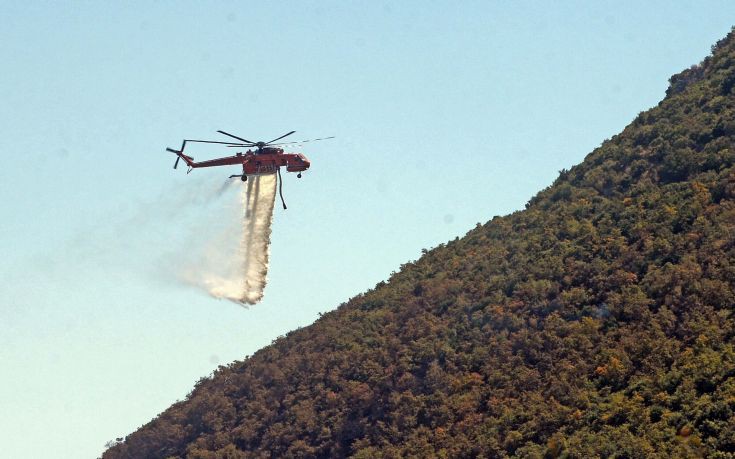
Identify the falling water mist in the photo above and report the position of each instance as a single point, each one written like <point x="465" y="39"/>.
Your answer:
<point x="234" y="264"/>
<point x="258" y="200"/>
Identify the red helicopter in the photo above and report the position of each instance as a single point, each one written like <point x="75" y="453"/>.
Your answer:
<point x="266" y="159"/>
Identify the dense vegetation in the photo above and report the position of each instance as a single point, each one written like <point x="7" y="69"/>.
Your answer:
<point x="596" y="322"/>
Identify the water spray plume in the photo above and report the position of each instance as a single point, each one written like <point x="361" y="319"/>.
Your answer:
<point x="234" y="265"/>
<point x="258" y="199"/>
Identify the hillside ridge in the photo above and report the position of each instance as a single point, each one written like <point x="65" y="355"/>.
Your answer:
<point x="596" y="322"/>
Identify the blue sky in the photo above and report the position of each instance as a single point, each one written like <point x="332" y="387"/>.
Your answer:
<point x="445" y="114"/>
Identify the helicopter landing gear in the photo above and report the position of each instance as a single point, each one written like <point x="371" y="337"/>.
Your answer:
<point x="298" y="175"/>
<point x="244" y="178"/>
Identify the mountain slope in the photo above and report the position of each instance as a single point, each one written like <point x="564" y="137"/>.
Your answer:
<point x="596" y="322"/>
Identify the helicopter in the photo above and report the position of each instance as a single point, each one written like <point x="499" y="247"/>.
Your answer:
<point x="265" y="159"/>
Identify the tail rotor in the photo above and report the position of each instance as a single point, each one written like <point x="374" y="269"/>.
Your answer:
<point x="178" y="156"/>
<point x="178" y="153"/>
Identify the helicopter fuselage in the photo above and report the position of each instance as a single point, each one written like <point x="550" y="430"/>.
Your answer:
<point x="263" y="161"/>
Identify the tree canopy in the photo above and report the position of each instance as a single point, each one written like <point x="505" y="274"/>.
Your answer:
<point x="597" y="322"/>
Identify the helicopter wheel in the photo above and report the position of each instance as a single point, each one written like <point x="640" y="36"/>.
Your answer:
<point x="244" y="178"/>
<point x="298" y="175"/>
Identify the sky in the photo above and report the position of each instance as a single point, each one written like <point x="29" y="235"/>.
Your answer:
<point x="445" y="115"/>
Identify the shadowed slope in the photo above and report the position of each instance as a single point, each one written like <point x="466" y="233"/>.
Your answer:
<point x="598" y="321"/>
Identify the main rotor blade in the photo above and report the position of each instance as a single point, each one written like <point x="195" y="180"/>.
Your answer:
<point x="279" y="138"/>
<point x="304" y="141"/>
<point x="236" y="137"/>
<point x="177" y="161"/>
<point x="212" y="141"/>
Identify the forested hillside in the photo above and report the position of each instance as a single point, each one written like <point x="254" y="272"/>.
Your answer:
<point x="596" y="322"/>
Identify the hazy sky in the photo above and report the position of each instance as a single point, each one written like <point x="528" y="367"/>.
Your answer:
<point x="446" y="114"/>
